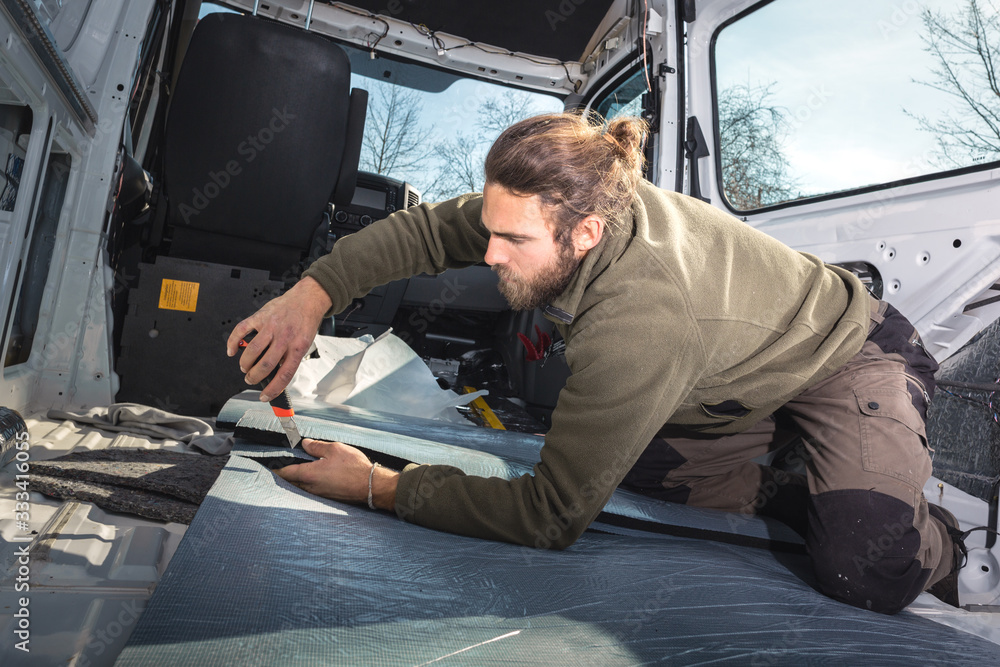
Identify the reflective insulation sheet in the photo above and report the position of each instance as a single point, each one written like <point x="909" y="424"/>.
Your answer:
<point x="395" y="440"/>
<point x="270" y="575"/>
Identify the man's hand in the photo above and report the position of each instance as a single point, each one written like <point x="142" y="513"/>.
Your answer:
<point x="341" y="473"/>
<point x="286" y="326"/>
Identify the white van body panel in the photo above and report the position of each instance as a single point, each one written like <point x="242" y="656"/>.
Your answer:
<point x="71" y="362"/>
<point x="935" y="242"/>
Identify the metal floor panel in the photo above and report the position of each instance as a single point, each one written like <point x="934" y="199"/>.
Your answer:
<point x="91" y="571"/>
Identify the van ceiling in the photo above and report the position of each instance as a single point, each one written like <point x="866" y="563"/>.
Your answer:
<point x="557" y="29"/>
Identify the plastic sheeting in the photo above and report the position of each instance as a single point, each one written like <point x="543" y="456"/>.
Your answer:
<point x="374" y="373"/>
<point x="270" y="575"/>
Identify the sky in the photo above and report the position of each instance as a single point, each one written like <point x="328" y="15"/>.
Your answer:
<point x="843" y="72"/>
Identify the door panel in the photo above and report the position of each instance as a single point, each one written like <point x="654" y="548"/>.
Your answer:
<point x="646" y="78"/>
<point x="861" y="132"/>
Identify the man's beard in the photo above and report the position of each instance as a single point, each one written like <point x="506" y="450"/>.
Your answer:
<point x="552" y="280"/>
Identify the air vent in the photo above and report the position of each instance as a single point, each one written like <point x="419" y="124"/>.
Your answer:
<point x="412" y="197"/>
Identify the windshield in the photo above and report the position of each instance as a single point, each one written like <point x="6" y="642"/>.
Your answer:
<point x="433" y="128"/>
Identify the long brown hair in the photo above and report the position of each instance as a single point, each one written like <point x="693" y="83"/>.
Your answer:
<point x="578" y="166"/>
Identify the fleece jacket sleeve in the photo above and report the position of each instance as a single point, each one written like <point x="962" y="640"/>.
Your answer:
<point x="428" y="238"/>
<point x="612" y="406"/>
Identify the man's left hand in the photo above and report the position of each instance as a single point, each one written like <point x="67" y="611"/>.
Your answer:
<point x="341" y="473"/>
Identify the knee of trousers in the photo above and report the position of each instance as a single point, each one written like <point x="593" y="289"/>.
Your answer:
<point x="864" y="548"/>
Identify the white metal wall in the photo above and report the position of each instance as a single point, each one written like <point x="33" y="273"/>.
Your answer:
<point x="71" y="359"/>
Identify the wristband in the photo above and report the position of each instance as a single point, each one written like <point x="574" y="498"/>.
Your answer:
<point x="371" y="473"/>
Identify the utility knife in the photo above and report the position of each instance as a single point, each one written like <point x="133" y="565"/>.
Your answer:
<point x="280" y="404"/>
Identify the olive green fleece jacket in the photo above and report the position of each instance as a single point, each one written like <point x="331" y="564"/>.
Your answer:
<point x="686" y="316"/>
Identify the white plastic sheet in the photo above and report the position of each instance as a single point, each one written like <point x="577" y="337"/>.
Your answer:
<point x="382" y="374"/>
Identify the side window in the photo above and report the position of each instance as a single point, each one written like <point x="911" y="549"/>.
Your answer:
<point x="15" y="130"/>
<point x="624" y="99"/>
<point x="36" y="263"/>
<point x="213" y="8"/>
<point x="813" y="101"/>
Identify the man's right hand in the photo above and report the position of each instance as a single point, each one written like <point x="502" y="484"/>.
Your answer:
<point x="286" y="327"/>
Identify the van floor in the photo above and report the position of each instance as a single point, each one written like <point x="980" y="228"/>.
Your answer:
<point x="92" y="572"/>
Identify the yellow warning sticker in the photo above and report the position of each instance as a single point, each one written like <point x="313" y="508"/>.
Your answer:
<point x="179" y="295"/>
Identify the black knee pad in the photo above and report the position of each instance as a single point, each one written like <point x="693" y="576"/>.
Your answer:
<point x="652" y="467"/>
<point x="864" y="549"/>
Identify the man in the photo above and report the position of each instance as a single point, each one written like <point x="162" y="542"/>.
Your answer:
<point x="696" y="343"/>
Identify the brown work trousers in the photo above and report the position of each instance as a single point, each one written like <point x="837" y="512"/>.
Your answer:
<point x="860" y="435"/>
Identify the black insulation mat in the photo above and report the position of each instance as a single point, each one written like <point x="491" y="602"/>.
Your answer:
<point x="151" y="483"/>
<point x="147" y="504"/>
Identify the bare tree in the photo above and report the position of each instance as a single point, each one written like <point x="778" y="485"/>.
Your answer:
<point x="395" y="140"/>
<point x="398" y="143"/>
<point x="751" y="132"/>
<point x="459" y="161"/>
<point x="966" y="46"/>
<point x="459" y="167"/>
<point x="497" y="113"/>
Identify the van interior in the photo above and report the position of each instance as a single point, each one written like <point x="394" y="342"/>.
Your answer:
<point x="169" y="167"/>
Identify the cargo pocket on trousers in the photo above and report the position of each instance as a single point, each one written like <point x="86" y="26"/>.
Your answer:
<point x="893" y="436"/>
<point x="728" y="410"/>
